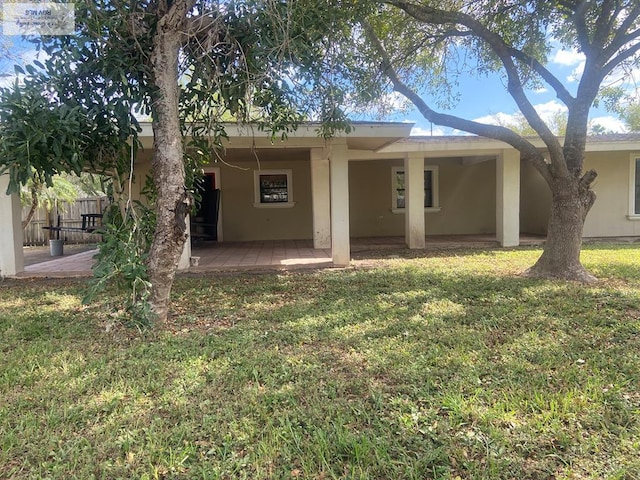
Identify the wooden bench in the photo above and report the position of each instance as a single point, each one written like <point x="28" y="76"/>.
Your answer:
<point x="91" y="223"/>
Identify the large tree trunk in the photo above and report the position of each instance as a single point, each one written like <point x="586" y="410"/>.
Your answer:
<point x="173" y="201"/>
<point x="561" y="256"/>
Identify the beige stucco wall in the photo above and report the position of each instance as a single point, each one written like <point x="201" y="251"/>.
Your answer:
<point x="608" y="216"/>
<point x="241" y="221"/>
<point x="467" y="199"/>
<point x="466" y="194"/>
<point x="535" y="201"/>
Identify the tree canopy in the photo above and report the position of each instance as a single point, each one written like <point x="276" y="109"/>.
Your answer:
<point x="186" y="64"/>
<point x="418" y="47"/>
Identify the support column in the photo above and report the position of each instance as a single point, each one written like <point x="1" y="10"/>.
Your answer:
<point x="508" y="198"/>
<point x="339" y="170"/>
<point x="321" y="198"/>
<point x="185" y="259"/>
<point x="414" y="200"/>
<point x="11" y="235"/>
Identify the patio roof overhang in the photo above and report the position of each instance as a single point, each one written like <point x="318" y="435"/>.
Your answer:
<point x="367" y="136"/>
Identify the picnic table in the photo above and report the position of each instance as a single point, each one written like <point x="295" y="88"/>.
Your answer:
<point x="91" y="223"/>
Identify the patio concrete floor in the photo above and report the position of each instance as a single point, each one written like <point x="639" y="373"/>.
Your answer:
<point x="285" y="254"/>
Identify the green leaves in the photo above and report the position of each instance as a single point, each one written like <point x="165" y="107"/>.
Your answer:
<point x="37" y="134"/>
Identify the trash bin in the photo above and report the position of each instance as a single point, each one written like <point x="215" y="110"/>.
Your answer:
<point x="57" y="247"/>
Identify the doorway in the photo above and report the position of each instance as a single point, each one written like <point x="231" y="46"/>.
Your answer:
<point x="204" y="224"/>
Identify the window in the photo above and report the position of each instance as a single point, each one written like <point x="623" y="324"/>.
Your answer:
<point x="431" y="201"/>
<point x="272" y="188"/>
<point x="634" y="190"/>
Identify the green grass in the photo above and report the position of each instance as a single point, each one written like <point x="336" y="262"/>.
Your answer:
<point x="449" y="366"/>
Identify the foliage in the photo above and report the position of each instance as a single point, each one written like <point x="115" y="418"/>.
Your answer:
<point x="42" y="133"/>
<point x="190" y="63"/>
<point x="36" y="136"/>
<point x="120" y="265"/>
<point x="446" y="366"/>
<point x="631" y="116"/>
<point x="62" y="190"/>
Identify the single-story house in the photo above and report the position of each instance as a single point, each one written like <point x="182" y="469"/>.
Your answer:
<point x="378" y="181"/>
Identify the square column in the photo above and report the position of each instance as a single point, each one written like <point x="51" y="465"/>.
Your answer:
<point x="185" y="258"/>
<point x="11" y="235"/>
<point x="508" y="198"/>
<point x="414" y="200"/>
<point x="339" y="170"/>
<point x="321" y="197"/>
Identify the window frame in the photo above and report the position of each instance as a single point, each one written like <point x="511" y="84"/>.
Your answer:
<point x="634" y="187"/>
<point x="435" y="193"/>
<point x="257" y="198"/>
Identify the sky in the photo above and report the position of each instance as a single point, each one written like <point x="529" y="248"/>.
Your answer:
<point x="482" y="99"/>
<point x="486" y="99"/>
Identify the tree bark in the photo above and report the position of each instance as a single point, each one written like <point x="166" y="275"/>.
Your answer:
<point x="32" y="211"/>
<point x="173" y="201"/>
<point x="561" y="255"/>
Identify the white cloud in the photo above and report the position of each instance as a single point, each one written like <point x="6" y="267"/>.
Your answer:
<point x="552" y="107"/>
<point x="394" y="101"/>
<point x="576" y="74"/>
<point x="427" y="132"/>
<point x="568" y="58"/>
<point x="499" y="118"/>
<point x="609" y="123"/>
<point x="8" y="75"/>
<point x="546" y="110"/>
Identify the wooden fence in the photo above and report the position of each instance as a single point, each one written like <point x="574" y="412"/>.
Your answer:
<point x="70" y="216"/>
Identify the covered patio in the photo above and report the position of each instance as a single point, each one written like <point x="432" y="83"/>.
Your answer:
<point x="261" y="255"/>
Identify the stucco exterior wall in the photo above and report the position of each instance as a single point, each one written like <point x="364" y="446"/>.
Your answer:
<point x="467" y="197"/>
<point x="608" y="216"/>
<point x="535" y="201"/>
<point x="242" y="221"/>
<point x="466" y="193"/>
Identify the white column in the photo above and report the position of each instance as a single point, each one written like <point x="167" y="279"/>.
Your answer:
<point x="339" y="169"/>
<point x="414" y="200"/>
<point x="185" y="258"/>
<point x="508" y="198"/>
<point x="11" y="237"/>
<point x="321" y="198"/>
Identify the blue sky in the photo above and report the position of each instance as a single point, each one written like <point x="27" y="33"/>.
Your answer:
<point x="483" y="99"/>
<point x="486" y="99"/>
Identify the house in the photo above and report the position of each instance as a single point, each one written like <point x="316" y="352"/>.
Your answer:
<point x="377" y="181"/>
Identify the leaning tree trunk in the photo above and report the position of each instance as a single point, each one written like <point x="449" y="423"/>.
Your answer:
<point x="571" y="201"/>
<point x="32" y="211"/>
<point x="172" y="203"/>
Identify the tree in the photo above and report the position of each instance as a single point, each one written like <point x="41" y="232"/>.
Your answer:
<point x="36" y="194"/>
<point x="420" y="45"/>
<point x="631" y="116"/>
<point x="187" y="64"/>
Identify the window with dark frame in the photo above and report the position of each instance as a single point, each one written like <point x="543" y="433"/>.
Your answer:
<point x="274" y="188"/>
<point x="428" y="189"/>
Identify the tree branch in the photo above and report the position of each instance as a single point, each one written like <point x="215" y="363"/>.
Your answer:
<point x="580" y="22"/>
<point x="526" y="148"/>
<point x="616" y="61"/>
<point x="502" y="50"/>
<point x="604" y="24"/>
<point x="561" y="91"/>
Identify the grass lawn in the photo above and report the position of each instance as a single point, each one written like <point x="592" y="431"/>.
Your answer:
<point x="450" y="366"/>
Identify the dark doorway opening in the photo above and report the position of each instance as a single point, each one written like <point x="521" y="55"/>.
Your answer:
<point x="204" y="224"/>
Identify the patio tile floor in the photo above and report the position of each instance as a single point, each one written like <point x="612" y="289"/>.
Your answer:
<point x="286" y="254"/>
